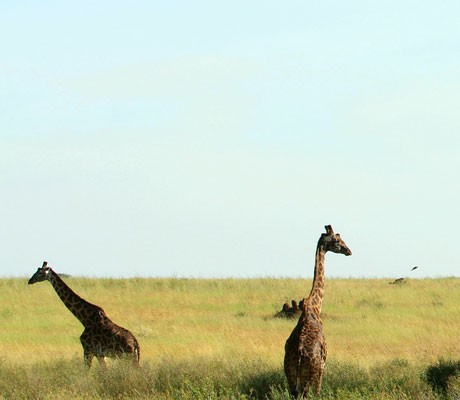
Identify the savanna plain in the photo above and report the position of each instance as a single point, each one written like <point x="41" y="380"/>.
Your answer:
<point x="220" y="339"/>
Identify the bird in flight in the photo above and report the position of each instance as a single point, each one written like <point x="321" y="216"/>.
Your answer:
<point x="414" y="268"/>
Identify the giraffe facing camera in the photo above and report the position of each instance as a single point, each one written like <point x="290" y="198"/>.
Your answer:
<point x="101" y="338"/>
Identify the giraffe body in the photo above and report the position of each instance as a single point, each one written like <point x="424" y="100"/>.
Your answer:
<point x="306" y="349"/>
<point x="108" y="340"/>
<point x="101" y="337"/>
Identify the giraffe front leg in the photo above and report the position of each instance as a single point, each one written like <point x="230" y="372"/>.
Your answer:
<point x="88" y="357"/>
<point x="317" y="380"/>
<point x="87" y="353"/>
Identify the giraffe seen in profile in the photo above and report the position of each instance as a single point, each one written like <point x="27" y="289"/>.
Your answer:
<point x="305" y="349"/>
<point x="101" y="338"/>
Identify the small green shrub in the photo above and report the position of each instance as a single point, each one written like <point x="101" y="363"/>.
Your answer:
<point x="439" y="374"/>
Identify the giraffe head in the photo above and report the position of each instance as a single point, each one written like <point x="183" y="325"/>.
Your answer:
<point x="333" y="242"/>
<point x="42" y="274"/>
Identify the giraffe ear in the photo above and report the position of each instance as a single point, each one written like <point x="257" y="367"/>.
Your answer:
<point x="329" y="230"/>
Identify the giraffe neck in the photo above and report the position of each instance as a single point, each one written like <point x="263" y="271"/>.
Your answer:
<point x="315" y="299"/>
<point x="83" y="310"/>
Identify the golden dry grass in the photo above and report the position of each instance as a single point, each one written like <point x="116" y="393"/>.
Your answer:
<point x="366" y="320"/>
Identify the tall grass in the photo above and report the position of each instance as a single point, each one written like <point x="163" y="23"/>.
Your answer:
<point x="218" y="338"/>
<point x="206" y="379"/>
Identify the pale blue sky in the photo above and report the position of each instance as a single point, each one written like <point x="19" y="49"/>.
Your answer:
<point x="213" y="139"/>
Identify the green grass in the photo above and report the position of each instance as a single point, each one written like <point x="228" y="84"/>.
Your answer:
<point x="218" y="339"/>
<point x="205" y="378"/>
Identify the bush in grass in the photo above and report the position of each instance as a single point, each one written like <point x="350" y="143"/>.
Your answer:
<point x="453" y="387"/>
<point x="439" y="374"/>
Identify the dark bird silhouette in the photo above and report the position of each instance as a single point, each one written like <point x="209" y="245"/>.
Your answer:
<point x="414" y="268"/>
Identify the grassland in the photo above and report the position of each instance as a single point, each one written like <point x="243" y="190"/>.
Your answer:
<point x="218" y="338"/>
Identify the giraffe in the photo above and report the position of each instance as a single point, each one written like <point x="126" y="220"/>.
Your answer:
<point x="101" y="338"/>
<point x="305" y="349"/>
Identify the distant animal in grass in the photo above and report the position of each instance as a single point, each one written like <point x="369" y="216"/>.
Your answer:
<point x="397" y="281"/>
<point x="288" y="312"/>
<point x="101" y="338"/>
